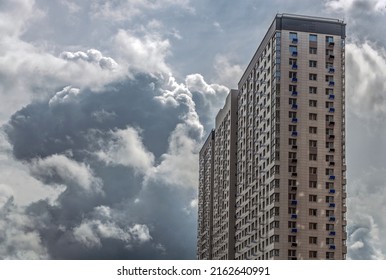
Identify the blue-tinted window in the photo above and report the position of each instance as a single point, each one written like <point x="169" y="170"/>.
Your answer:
<point x="313" y="38"/>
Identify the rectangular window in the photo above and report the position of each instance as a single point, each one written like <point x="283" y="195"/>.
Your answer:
<point x="312" y="117"/>
<point x="291" y="210"/>
<point x="313" y="226"/>
<point x="329" y="158"/>
<point x="312" y="90"/>
<point x="291" y="155"/>
<point x="329" y="39"/>
<point x="329" y="171"/>
<point x="291" y="224"/>
<point x="329" y="241"/>
<point x="313" y="77"/>
<point x="292" y="74"/>
<point x="293" y="61"/>
<point x="313" y="38"/>
<point x="292" y="101"/>
<point x="291" y="253"/>
<point x="293" y="50"/>
<point x="312" y="184"/>
<point x="312" y="212"/>
<point x="313" y="254"/>
<point x="292" y="127"/>
<point x="329" y="185"/>
<point x="312" y="103"/>
<point x="329" y="199"/>
<point x="313" y="129"/>
<point x="329" y="255"/>
<point x="313" y="143"/>
<point x="313" y="170"/>
<point x="313" y="157"/>
<point x="329" y="213"/>
<point x="292" y="238"/>
<point x="293" y="36"/>
<point x="291" y="114"/>
<point x="292" y="88"/>
<point x="313" y="50"/>
<point x="313" y="240"/>
<point x="312" y="198"/>
<point x="312" y="63"/>
<point x="329" y="104"/>
<point x="292" y="169"/>
<point x="329" y="227"/>
<point x="292" y="142"/>
<point x="329" y="78"/>
<point x="329" y="91"/>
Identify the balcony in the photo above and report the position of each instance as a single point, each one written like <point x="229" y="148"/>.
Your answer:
<point x="294" y="174"/>
<point x="294" y="53"/>
<point x="331" y="247"/>
<point x="294" y="40"/>
<point x="331" y="177"/>
<point x="331" y="163"/>
<point x="331" y="205"/>
<point x="294" y="93"/>
<point x="331" y="110"/>
<point x="331" y="219"/>
<point x="294" y="147"/>
<point x="294" y="230"/>
<point x="331" y="191"/>
<point x="331" y="83"/>
<point x="294" y="106"/>
<point x="331" y="150"/>
<point x="294" y="120"/>
<point x="294" y="189"/>
<point x="294" y="66"/>
<point x="294" y="80"/>
<point x="331" y="97"/>
<point x="294" y="216"/>
<point x="294" y="133"/>
<point x="332" y="233"/>
<point x="294" y="244"/>
<point x="331" y="70"/>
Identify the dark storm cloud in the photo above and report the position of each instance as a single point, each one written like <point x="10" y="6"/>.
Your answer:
<point x="62" y="140"/>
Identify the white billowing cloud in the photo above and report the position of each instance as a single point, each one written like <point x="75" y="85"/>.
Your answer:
<point x="15" y="15"/>
<point x="347" y="6"/>
<point x="67" y="95"/>
<point x="123" y="10"/>
<point x="19" y="240"/>
<point x="69" y="171"/>
<point x="366" y="84"/>
<point x="93" y="56"/>
<point x="146" y="54"/>
<point x="227" y="74"/>
<point x="72" y="6"/>
<point x="17" y="182"/>
<point x="103" y="226"/>
<point x="125" y="147"/>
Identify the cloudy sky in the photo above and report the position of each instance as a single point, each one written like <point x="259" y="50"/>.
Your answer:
<point x="104" y="106"/>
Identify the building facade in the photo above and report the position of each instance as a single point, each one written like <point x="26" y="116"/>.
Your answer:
<point x="290" y="149"/>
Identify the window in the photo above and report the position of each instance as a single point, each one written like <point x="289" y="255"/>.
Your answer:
<point x="329" y="158"/>
<point x="329" y="185"/>
<point x="292" y="238"/>
<point x="274" y="238"/>
<point x="312" y="184"/>
<point x="329" y="241"/>
<point x="329" y="65"/>
<point x="291" y="155"/>
<point x="313" y="170"/>
<point x="293" y="61"/>
<point x="292" y="88"/>
<point x="312" y="117"/>
<point x="292" y="101"/>
<point x="329" y="118"/>
<point x="329" y="91"/>
<point x="293" y="36"/>
<point x="291" y="210"/>
<point x="329" y="52"/>
<point x="291" y="253"/>
<point x="313" y="38"/>
<point x="313" y="157"/>
<point x="330" y="145"/>
<point x="329" y="78"/>
<point x="313" y="77"/>
<point x="291" y="114"/>
<point x="312" y="63"/>
<point x="312" y="90"/>
<point x="312" y="198"/>
<point x="329" y="227"/>
<point x="313" y="254"/>
<point x="312" y="103"/>
<point x="313" y="226"/>
<point x="313" y="129"/>
<point x="329" y="39"/>
<point x="293" y="50"/>
<point x="329" y="255"/>
<point x="274" y="224"/>
<point x="329" y="171"/>
<point x="292" y="183"/>
<point x="292" y="169"/>
<point x="313" y="240"/>
<point x="291" y="224"/>
<point x="292" y="127"/>
<point x="292" y="142"/>
<point x="329" y="213"/>
<point x="292" y="74"/>
<point x="313" y="50"/>
<point x="313" y="143"/>
<point x="312" y="212"/>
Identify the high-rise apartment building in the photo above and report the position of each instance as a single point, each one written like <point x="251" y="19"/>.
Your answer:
<point x="289" y="189"/>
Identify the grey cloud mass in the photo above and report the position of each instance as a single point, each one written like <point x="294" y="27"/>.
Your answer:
<point x="104" y="106"/>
